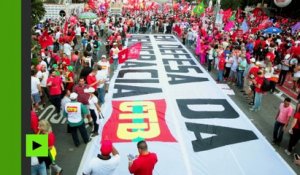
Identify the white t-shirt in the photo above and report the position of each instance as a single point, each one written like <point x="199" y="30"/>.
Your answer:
<point x="39" y="74"/>
<point x="64" y="101"/>
<point x="92" y="100"/>
<point x="78" y="31"/>
<point x="89" y="60"/>
<point x="57" y="35"/>
<point x="45" y="76"/>
<point x="34" y="161"/>
<point x="34" y="85"/>
<point x="101" y="75"/>
<point x="67" y="49"/>
<point x="98" y="166"/>
<point x="104" y="66"/>
<point x="115" y="52"/>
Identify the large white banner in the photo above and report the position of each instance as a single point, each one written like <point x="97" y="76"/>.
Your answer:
<point x="168" y="99"/>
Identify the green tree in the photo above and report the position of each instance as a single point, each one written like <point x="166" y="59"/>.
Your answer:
<point x="37" y="11"/>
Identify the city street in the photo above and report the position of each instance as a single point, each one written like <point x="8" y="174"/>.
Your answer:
<point x="69" y="157"/>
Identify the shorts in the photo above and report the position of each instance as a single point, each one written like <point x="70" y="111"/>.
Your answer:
<point x="87" y="107"/>
<point x="36" y="98"/>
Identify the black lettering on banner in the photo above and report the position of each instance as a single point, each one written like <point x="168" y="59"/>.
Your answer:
<point x="135" y="39"/>
<point x="137" y="80"/>
<point x="169" y="46"/>
<point x="130" y="64"/>
<point x="145" y="46"/>
<point x="172" y="51"/>
<point x="147" y="57"/>
<point x="164" y="38"/>
<point x="223" y="136"/>
<point x="134" y="91"/>
<point x="182" y="69"/>
<point x="153" y="72"/>
<point x="182" y="79"/>
<point x="144" y="42"/>
<point x="147" y="52"/>
<point x="228" y="112"/>
<point x="180" y="56"/>
<point x="179" y="61"/>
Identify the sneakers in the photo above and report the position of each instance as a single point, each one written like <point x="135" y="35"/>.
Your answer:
<point x="94" y="134"/>
<point x="88" y="141"/>
<point x="287" y="152"/>
<point x="91" y="124"/>
<point x="253" y="109"/>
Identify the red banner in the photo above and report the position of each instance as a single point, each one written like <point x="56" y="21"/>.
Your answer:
<point x="132" y="121"/>
<point x="134" y="50"/>
<point x="123" y="56"/>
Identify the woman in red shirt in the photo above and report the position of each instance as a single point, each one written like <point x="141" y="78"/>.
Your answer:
<point x="69" y="78"/>
<point x="91" y="79"/>
<point x="55" y="85"/>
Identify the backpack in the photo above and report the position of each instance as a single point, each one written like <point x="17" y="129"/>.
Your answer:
<point x="265" y="87"/>
<point x="88" y="47"/>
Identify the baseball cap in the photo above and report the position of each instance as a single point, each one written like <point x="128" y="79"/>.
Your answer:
<point x="73" y="96"/>
<point x="70" y="68"/>
<point x="89" y="90"/>
<point x="106" y="147"/>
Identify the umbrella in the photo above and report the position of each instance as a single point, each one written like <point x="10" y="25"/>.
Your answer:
<point x="88" y="15"/>
<point x="272" y="30"/>
<point x="296" y="27"/>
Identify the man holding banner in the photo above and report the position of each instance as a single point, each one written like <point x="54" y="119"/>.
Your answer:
<point x="144" y="163"/>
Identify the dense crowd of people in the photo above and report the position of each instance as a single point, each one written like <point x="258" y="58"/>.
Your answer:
<point x="73" y="60"/>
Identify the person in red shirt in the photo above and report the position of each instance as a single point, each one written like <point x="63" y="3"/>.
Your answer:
<point x="34" y="122"/>
<point x="69" y="75"/>
<point x="55" y="85"/>
<point x="257" y="82"/>
<point x="144" y="163"/>
<point x="83" y="97"/>
<point x="270" y="56"/>
<point x="65" y="61"/>
<point x="221" y="68"/>
<point x="92" y="81"/>
<point x="294" y="133"/>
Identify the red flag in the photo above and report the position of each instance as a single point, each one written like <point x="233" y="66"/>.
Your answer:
<point x="134" y="50"/>
<point x="45" y="40"/>
<point x="66" y="27"/>
<point x="123" y="56"/>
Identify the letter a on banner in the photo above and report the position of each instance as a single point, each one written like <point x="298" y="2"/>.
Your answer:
<point x="222" y="136"/>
